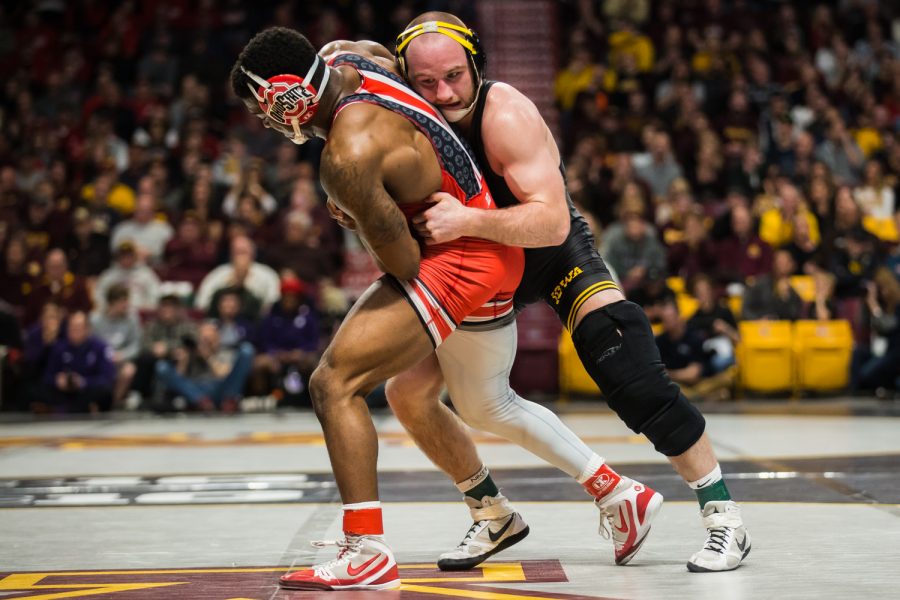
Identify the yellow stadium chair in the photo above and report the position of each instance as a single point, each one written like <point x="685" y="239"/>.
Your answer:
<point x="676" y="284"/>
<point x="764" y="356"/>
<point x="573" y="379"/>
<point x="822" y="350"/>
<point x="805" y="286"/>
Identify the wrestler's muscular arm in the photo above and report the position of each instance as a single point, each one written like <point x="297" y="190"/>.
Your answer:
<point x="352" y="174"/>
<point x="520" y="147"/>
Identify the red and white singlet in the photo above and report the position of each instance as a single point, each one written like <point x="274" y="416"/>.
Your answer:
<point x="469" y="282"/>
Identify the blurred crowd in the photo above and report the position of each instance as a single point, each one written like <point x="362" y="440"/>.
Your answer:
<point x="751" y="151"/>
<point x="160" y="247"/>
<point x="158" y="244"/>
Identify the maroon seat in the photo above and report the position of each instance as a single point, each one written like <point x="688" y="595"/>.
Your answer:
<point x="536" y="368"/>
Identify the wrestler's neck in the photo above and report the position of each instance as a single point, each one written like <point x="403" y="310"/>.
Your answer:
<point x="342" y="82"/>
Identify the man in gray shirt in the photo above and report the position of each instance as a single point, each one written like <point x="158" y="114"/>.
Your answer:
<point x="118" y="326"/>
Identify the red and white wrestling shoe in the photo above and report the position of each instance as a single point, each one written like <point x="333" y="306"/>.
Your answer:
<point x="626" y="514"/>
<point x="364" y="562"/>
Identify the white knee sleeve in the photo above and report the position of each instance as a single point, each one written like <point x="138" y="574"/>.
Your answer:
<point x="476" y="368"/>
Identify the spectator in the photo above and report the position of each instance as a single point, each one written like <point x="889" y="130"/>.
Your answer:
<point x="234" y="320"/>
<point x="871" y="371"/>
<point x="299" y="249"/>
<point x="634" y="251"/>
<point x="148" y="233"/>
<point x="853" y="263"/>
<point x="108" y="198"/>
<point x="840" y="152"/>
<point x="249" y="185"/>
<point x="242" y="271"/>
<point x="696" y="253"/>
<point x="714" y="324"/>
<point x="141" y="281"/>
<point x="164" y="334"/>
<point x="776" y="226"/>
<point x="57" y="284"/>
<point x="772" y="296"/>
<point x="804" y="250"/>
<point x="206" y="374"/>
<point x="190" y="254"/>
<point x="40" y="339"/>
<point x="823" y="306"/>
<point x="681" y="351"/>
<point x="45" y="227"/>
<point x="323" y="233"/>
<point x="289" y="345"/>
<point x="87" y="250"/>
<point x="660" y="168"/>
<point x="875" y="197"/>
<point x="574" y="79"/>
<point x="17" y="272"/>
<point x="11" y="351"/>
<point x="118" y="326"/>
<point x="80" y="374"/>
<point x="742" y="255"/>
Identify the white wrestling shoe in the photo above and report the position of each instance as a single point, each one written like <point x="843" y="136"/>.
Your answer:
<point x="497" y="526"/>
<point x="363" y="563"/>
<point x="626" y="514"/>
<point x="727" y="540"/>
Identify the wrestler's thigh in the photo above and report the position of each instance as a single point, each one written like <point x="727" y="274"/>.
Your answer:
<point x="421" y="382"/>
<point x="380" y="337"/>
<point x="476" y="365"/>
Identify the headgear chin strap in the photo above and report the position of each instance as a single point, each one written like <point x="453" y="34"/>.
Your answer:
<point x="290" y="100"/>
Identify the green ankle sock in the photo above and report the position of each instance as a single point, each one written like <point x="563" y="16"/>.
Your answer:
<point x="712" y="493"/>
<point x="486" y="488"/>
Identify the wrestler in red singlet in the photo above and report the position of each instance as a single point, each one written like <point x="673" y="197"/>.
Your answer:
<point x="468" y="282"/>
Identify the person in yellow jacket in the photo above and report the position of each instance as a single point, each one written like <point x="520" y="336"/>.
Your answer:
<point x="776" y="225"/>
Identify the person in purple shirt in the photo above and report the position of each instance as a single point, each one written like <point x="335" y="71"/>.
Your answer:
<point x="80" y="373"/>
<point x="288" y="344"/>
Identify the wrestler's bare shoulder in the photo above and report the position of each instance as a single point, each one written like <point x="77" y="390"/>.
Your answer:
<point x="365" y="48"/>
<point x="507" y="107"/>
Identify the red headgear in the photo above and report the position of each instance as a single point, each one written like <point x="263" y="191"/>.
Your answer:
<point x="288" y="99"/>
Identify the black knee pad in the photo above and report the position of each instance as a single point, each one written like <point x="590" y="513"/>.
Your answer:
<point x="616" y="346"/>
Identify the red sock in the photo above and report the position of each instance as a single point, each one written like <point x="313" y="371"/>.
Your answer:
<point x="602" y="482"/>
<point x="365" y="521"/>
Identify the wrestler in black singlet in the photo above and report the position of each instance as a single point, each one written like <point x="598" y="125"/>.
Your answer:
<point x="563" y="276"/>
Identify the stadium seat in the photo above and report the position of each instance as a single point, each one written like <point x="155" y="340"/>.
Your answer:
<point x="765" y="356"/>
<point x="536" y="368"/>
<point x="805" y="286"/>
<point x="822" y="350"/>
<point x="573" y="378"/>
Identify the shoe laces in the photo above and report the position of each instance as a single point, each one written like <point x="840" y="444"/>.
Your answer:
<point x="349" y="547"/>
<point x="718" y="539"/>
<point x="606" y="524"/>
<point x="470" y="535"/>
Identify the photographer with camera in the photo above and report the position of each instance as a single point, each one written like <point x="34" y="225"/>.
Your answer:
<point x="207" y="374"/>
